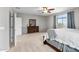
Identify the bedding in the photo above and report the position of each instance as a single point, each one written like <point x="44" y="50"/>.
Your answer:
<point x="67" y="48"/>
<point x="45" y="36"/>
<point x="68" y="37"/>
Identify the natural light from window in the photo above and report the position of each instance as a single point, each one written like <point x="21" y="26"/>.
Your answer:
<point x="61" y="21"/>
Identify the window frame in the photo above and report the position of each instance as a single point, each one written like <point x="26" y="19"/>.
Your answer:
<point x="62" y="17"/>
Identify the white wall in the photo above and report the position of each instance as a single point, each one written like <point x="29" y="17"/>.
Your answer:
<point x="18" y="26"/>
<point x="76" y="17"/>
<point x="40" y="21"/>
<point x="4" y="33"/>
<point x="50" y="21"/>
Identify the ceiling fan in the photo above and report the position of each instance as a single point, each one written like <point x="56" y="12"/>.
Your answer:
<point x="47" y="10"/>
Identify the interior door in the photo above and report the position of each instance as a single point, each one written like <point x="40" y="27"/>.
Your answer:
<point x="18" y="26"/>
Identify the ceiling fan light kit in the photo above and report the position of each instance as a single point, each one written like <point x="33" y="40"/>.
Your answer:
<point x="47" y="10"/>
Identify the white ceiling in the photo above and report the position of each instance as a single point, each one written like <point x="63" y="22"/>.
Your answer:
<point x="37" y="11"/>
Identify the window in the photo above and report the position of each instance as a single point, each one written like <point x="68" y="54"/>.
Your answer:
<point x="61" y="21"/>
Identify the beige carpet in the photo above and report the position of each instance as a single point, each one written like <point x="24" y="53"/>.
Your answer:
<point x="31" y="43"/>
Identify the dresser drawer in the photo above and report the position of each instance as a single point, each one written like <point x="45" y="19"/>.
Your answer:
<point x="32" y="29"/>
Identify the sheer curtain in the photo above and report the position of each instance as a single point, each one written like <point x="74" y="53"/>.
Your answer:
<point x="70" y="21"/>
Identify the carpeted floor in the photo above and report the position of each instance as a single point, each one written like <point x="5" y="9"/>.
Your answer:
<point x="31" y="43"/>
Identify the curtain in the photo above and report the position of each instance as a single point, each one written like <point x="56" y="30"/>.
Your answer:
<point x="70" y="20"/>
<point x="54" y="22"/>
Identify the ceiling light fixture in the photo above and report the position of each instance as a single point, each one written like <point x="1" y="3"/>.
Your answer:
<point x="47" y="10"/>
<point x="44" y="9"/>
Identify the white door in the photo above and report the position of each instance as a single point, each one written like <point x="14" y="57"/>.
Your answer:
<point x="18" y="26"/>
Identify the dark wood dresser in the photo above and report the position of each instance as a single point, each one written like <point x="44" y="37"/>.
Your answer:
<point x="32" y="29"/>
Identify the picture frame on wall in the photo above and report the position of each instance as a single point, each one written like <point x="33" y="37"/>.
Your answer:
<point x="32" y="22"/>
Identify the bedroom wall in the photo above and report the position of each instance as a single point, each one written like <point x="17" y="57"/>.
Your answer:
<point x="76" y="18"/>
<point x="40" y="21"/>
<point x="50" y="21"/>
<point x="4" y="28"/>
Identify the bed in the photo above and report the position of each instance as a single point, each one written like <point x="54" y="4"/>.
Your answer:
<point x="66" y="40"/>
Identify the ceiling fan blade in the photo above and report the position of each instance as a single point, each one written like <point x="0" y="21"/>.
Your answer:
<point x="51" y="9"/>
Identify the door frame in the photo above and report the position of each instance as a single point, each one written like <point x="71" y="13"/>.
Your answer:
<point x="11" y="29"/>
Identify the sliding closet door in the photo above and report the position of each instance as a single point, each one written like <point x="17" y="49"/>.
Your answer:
<point x="11" y="30"/>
